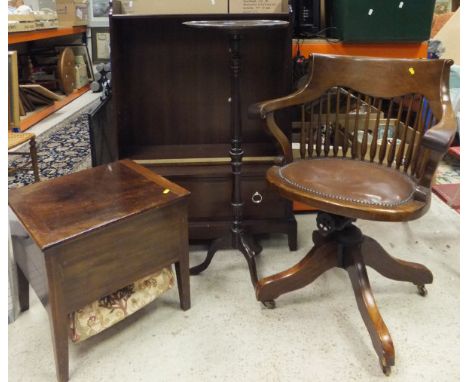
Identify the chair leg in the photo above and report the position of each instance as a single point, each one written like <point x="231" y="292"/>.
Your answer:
<point x="34" y="161"/>
<point x="58" y="319"/>
<point x="183" y="283"/>
<point x="375" y="256"/>
<point x="59" y="331"/>
<point x="23" y="290"/>
<point x="58" y="324"/>
<point x="376" y="327"/>
<point x="322" y="257"/>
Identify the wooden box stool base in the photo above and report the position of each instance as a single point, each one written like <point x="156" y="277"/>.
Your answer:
<point x="88" y="234"/>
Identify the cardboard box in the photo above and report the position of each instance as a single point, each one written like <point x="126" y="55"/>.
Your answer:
<point x="72" y="12"/>
<point x="21" y="26"/>
<point x="168" y="7"/>
<point x="38" y="5"/>
<point x="46" y="19"/>
<point x="81" y="72"/>
<point x="258" y="6"/>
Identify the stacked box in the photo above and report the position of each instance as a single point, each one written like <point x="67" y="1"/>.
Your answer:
<point x="72" y="12"/>
<point x="81" y="72"/>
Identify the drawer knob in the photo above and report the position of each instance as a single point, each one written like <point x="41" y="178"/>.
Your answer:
<point x="257" y="197"/>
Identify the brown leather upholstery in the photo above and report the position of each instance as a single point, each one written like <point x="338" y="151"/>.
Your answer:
<point x="353" y="181"/>
<point x="347" y="187"/>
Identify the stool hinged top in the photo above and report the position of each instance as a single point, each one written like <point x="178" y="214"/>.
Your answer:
<point x="63" y="208"/>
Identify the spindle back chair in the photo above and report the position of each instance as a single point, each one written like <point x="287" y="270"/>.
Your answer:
<point x="345" y="123"/>
<point x="17" y="139"/>
<point x="372" y="132"/>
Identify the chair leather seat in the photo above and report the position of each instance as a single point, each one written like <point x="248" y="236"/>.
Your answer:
<point x="352" y="181"/>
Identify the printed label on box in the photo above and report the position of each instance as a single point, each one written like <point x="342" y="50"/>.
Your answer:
<point x="256" y="6"/>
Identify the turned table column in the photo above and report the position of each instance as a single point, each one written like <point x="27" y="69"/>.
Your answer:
<point x="237" y="238"/>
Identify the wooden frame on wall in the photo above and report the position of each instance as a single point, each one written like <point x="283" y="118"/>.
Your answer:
<point x="99" y="13"/>
<point x="100" y="42"/>
<point x="13" y="91"/>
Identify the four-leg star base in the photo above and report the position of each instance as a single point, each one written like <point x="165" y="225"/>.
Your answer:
<point x="352" y="251"/>
<point x="241" y="241"/>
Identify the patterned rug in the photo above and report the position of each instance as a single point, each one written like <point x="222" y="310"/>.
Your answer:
<point x="448" y="171"/>
<point x="63" y="149"/>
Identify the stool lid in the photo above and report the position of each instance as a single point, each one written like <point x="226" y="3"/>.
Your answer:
<point x="63" y="208"/>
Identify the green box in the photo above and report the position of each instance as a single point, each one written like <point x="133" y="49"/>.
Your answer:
<point x="380" y="20"/>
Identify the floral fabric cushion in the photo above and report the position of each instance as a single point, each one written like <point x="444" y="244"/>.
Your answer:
<point x="107" y="311"/>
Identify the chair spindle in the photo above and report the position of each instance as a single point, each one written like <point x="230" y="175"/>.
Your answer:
<point x="335" y="132"/>
<point x="396" y="132"/>
<point x="303" y="132"/>
<point x="310" y="144"/>
<point x="326" y="146"/>
<point x="366" y="129"/>
<point x="345" y="138"/>
<point x="401" y="150"/>
<point x="383" y="146"/>
<point x="421" y="127"/>
<point x="411" y="145"/>
<point x="375" y="134"/>
<point x="356" y="127"/>
<point x="318" y="141"/>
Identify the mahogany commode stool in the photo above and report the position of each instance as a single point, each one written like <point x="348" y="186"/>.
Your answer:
<point x="88" y="234"/>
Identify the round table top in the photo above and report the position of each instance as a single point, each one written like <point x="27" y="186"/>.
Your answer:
<point x="236" y="25"/>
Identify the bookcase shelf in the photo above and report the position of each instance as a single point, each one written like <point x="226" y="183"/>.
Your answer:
<point x="19" y="37"/>
<point x="24" y="37"/>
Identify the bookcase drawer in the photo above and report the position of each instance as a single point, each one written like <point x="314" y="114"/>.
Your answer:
<point x="211" y="192"/>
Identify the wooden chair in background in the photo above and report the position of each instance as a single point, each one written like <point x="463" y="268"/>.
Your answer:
<point x="374" y="131"/>
<point x="16" y="139"/>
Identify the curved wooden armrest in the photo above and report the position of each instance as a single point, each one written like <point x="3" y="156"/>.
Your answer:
<point x="439" y="137"/>
<point x="261" y="109"/>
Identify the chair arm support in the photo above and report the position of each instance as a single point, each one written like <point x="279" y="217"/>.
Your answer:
<point x="281" y="138"/>
<point x="439" y="137"/>
<point x="437" y="140"/>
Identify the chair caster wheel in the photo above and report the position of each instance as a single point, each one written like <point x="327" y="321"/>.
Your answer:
<point x="422" y="290"/>
<point x="270" y="304"/>
<point x="385" y="369"/>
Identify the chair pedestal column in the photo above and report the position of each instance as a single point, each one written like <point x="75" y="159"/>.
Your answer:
<point x="339" y="243"/>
